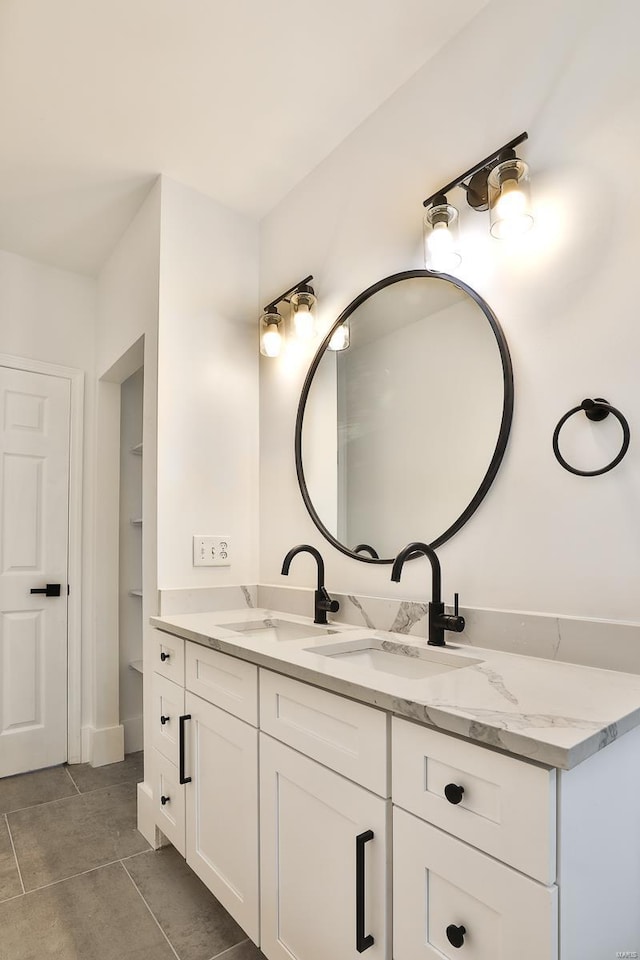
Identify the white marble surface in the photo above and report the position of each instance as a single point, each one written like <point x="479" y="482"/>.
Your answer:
<point x="554" y="713"/>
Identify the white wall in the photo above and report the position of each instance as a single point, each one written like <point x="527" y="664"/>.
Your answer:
<point x="207" y="388"/>
<point x="127" y="337"/>
<point x="543" y="540"/>
<point x="50" y="315"/>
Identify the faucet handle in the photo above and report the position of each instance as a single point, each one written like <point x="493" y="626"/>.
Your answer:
<point x="453" y="622"/>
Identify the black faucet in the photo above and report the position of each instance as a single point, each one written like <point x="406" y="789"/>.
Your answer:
<point x="439" y="621"/>
<point x="322" y="601"/>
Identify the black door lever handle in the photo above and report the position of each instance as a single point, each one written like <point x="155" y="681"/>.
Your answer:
<point x="51" y="590"/>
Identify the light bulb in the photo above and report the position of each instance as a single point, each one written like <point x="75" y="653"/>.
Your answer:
<point x="271" y="340"/>
<point x="303" y="321"/>
<point x="441" y="240"/>
<point x="509" y="199"/>
<point x="340" y="338"/>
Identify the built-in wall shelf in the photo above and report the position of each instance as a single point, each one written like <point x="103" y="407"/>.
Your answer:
<point x="136" y="665"/>
<point x="135" y="593"/>
<point x="137" y="450"/>
<point x="136" y="521"/>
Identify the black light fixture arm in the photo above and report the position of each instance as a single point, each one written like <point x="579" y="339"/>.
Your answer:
<point x="283" y="296"/>
<point x="485" y="164"/>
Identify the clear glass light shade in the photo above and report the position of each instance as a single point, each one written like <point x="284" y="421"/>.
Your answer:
<point x="340" y="338"/>
<point x="304" y="323"/>
<point x="510" y="199"/>
<point x="271" y="334"/>
<point x="441" y="244"/>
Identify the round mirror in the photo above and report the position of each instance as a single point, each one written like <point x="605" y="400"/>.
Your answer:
<point x="400" y="434"/>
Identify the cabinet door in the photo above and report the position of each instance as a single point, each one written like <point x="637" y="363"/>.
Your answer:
<point x="446" y="895"/>
<point x="222" y="809"/>
<point x="310" y="822"/>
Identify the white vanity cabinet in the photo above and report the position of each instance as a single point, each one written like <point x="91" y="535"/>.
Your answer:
<point x="324" y="861"/>
<point x="324" y="833"/>
<point x="303" y="808"/>
<point x="206" y="788"/>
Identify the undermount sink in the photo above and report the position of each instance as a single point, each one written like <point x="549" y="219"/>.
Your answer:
<point x="400" y="660"/>
<point x="271" y="628"/>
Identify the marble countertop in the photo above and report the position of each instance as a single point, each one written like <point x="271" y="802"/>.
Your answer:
<point x="557" y="714"/>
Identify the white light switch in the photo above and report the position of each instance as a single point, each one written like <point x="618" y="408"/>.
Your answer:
<point x="211" y="551"/>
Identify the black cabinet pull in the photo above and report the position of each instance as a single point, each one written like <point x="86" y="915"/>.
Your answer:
<point x="164" y="656"/>
<point x="453" y="792"/>
<point x="164" y="720"/>
<point x="182" y="721"/>
<point x="363" y="941"/>
<point x="51" y="590"/>
<point x="164" y="800"/>
<point x="455" y="935"/>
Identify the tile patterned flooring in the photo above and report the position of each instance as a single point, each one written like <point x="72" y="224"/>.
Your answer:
<point x="78" y="882"/>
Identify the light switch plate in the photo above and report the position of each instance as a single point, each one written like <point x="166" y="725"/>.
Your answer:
<point x="211" y="551"/>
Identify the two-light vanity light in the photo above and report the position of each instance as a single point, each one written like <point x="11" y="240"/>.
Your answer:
<point x="301" y="299"/>
<point x="499" y="184"/>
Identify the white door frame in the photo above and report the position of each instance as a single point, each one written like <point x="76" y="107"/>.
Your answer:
<point x="74" y="605"/>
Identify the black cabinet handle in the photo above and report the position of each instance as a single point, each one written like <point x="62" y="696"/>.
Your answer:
<point x="363" y="941"/>
<point x="164" y="800"/>
<point x="51" y="590"/>
<point x="453" y="792"/>
<point x="164" y="720"/>
<point x="164" y="656"/>
<point x="182" y="721"/>
<point x="455" y="935"/>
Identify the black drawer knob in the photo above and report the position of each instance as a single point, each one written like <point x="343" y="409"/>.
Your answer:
<point x="164" y="800"/>
<point x="454" y="792"/>
<point x="164" y="720"/>
<point x="455" y="935"/>
<point x="165" y="656"/>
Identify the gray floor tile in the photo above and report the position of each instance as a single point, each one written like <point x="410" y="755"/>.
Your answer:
<point x="10" y="885"/>
<point x="98" y="916"/>
<point x="88" y="778"/>
<point x="244" y="951"/>
<point x="63" y="838"/>
<point x="28" y="789"/>
<point x="194" y="921"/>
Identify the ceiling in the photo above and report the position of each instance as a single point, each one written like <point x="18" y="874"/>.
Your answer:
<point x="238" y="99"/>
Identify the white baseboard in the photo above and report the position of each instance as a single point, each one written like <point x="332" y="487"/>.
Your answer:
<point x="133" y="734"/>
<point x="103" y="745"/>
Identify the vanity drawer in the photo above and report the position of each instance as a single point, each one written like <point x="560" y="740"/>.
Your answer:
<point x="170" y="814"/>
<point x="166" y="709"/>
<point x="346" y="736"/>
<point x="168" y="656"/>
<point x="225" y="681"/>
<point x="508" y="807"/>
<point x="440" y="883"/>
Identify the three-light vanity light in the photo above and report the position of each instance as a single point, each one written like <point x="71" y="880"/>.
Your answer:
<point x="499" y="184"/>
<point x="301" y="300"/>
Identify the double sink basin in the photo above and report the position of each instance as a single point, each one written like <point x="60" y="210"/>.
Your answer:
<point x="372" y="653"/>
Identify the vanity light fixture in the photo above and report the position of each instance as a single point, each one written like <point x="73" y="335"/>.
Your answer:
<point x="340" y="338"/>
<point x="441" y="236"/>
<point x="500" y="184"/>
<point x="271" y="333"/>
<point x="301" y="298"/>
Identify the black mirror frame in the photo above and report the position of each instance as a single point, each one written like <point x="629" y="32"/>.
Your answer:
<point x="505" y="425"/>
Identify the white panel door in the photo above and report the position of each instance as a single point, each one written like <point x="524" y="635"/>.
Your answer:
<point x="222" y="809"/>
<point x="315" y="827"/>
<point x="34" y="532"/>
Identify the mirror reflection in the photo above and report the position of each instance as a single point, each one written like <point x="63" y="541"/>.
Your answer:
<point x="401" y="431"/>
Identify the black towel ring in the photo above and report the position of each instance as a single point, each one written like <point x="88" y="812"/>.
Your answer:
<point x="597" y="409"/>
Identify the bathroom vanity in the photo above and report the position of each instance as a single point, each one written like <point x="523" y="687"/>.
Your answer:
<point x="344" y="791"/>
